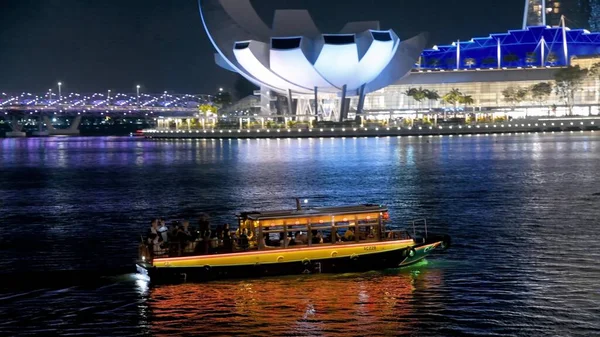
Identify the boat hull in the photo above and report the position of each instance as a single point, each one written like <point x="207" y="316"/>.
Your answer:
<point x="333" y="259"/>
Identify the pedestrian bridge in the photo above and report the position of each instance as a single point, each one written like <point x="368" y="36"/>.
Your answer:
<point x="15" y="107"/>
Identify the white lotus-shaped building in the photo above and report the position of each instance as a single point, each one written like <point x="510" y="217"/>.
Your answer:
<point x="295" y="59"/>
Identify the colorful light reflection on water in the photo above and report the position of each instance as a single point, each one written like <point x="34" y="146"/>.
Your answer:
<point x="360" y="304"/>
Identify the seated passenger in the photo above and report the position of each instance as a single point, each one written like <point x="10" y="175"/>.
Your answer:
<point x="301" y="238"/>
<point x="336" y="236"/>
<point x="266" y="243"/>
<point x="371" y="232"/>
<point x="349" y="235"/>
<point x="292" y="240"/>
<point x="317" y="237"/>
<point x="283" y="240"/>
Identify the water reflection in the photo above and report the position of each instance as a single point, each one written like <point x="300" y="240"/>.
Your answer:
<point x="351" y="304"/>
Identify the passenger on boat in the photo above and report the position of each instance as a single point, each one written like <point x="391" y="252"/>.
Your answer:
<point x="266" y="238"/>
<point x="206" y="240"/>
<point x="185" y="237"/>
<point x="371" y="232"/>
<point x="301" y="238"/>
<point x="186" y="229"/>
<point x="226" y="237"/>
<point x="213" y="242"/>
<point x="284" y="240"/>
<point x="203" y="225"/>
<point x="243" y="239"/>
<point x="155" y="240"/>
<point x="336" y="236"/>
<point x="184" y="233"/>
<point x="317" y="236"/>
<point x="349" y="235"/>
<point x="163" y="230"/>
<point x="292" y="240"/>
<point x="174" y="230"/>
<point x="219" y="235"/>
<point x="153" y="231"/>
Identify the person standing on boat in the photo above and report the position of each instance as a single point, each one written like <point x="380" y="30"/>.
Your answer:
<point x="226" y="237"/>
<point x="203" y="225"/>
<point x="155" y="240"/>
<point x="153" y="231"/>
<point x="185" y="238"/>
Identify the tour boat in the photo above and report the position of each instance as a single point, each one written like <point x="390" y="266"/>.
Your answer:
<point x="298" y="241"/>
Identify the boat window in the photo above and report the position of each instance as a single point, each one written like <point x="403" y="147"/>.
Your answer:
<point x="298" y="235"/>
<point x="368" y="229"/>
<point x="320" y="230"/>
<point x="272" y="236"/>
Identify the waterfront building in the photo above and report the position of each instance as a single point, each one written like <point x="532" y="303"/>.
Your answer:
<point x="311" y="75"/>
<point x="317" y="72"/>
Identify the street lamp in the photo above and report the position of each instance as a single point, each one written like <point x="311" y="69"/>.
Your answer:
<point x="220" y="89"/>
<point x="59" y="91"/>
<point x="49" y="96"/>
<point x="138" y="94"/>
<point x="108" y="97"/>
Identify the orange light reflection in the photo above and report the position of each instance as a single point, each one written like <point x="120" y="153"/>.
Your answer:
<point x="358" y="304"/>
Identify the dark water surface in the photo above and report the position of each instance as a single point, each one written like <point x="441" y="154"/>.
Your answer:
<point x="523" y="212"/>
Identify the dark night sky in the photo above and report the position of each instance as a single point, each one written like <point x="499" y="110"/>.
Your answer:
<point x="160" y="44"/>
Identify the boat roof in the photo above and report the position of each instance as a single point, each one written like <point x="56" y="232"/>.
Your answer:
<point x="313" y="211"/>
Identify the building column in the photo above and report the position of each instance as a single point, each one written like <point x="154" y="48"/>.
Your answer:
<point x="316" y="105"/>
<point x="343" y="104"/>
<point x="457" y="54"/>
<point x="290" y="102"/>
<point x="361" y="99"/>
<point x="543" y="52"/>
<point x="499" y="53"/>
<point x="565" y="44"/>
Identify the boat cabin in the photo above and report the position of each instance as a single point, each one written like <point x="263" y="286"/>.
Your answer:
<point x="313" y="226"/>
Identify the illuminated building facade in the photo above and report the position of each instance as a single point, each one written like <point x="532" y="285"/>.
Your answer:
<point x="294" y="59"/>
<point x="365" y="70"/>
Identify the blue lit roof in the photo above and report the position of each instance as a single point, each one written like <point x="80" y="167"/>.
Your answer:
<point x="523" y="45"/>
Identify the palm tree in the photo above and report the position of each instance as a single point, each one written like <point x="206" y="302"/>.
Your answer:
<point x="510" y="58"/>
<point x="489" y="61"/>
<point x="467" y="100"/>
<point x="452" y="97"/>
<point x="432" y="96"/>
<point x="418" y="95"/>
<point x="469" y="62"/>
<point x="434" y="63"/>
<point x="552" y="58"/>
